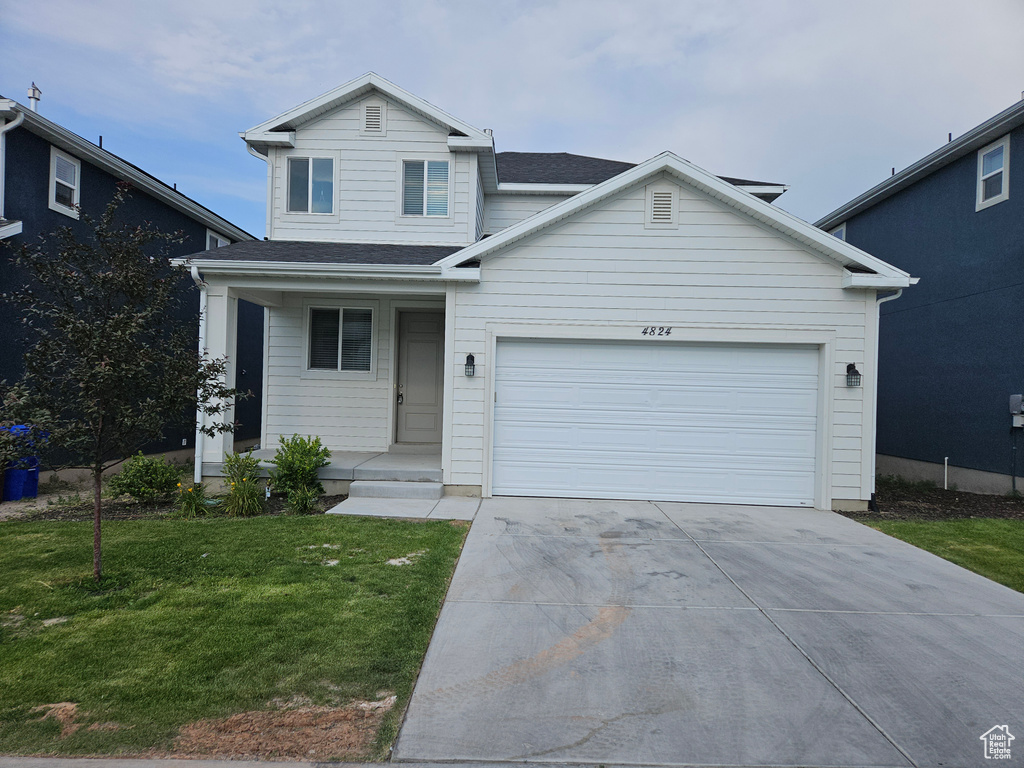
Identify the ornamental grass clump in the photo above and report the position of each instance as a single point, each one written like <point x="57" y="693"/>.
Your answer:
<point x="191" y="500"/>
<point x="147" y="479"/>
<point x="246" y="494"/>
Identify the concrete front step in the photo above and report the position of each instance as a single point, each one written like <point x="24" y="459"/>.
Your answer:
<point x="383" y="489"/>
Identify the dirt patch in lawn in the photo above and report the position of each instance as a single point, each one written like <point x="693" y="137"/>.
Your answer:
<point x="310" y="733"/>
<point x="118" y="509"/>
<point x="913" y="501"/>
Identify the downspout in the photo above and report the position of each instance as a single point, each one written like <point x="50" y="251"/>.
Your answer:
<point x="873" y="504"/>
<point x="197" y="474"/>
<point x="3" y="154"/>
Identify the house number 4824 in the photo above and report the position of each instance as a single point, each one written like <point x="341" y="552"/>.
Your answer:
<point x="657" y="330"/>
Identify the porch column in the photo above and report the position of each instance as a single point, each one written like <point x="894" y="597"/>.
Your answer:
<point x="219" y="338"/>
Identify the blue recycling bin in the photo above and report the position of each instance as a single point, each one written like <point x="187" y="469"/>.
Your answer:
<point x="21" y="476"/>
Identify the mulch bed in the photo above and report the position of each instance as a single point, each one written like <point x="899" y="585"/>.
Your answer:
<point x="909" y="501"/>
<point x="118" y="509"/>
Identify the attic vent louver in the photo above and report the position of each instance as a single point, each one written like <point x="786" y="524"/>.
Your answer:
<point x="374" y="118"/>
<point x="661" y="207"/>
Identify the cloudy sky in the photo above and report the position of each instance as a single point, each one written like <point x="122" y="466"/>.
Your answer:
<point x="824" y="96"/>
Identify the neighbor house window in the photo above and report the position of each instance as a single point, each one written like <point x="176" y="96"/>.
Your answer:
<point x="340" y="339"/>
<point x="993" y="173"/>
<point x="65" y="182"/>
<point x="839" y="231"/>
<point x="311" y="185"/>
<point x="215" y="240"/>
<point x="425" y="188"/>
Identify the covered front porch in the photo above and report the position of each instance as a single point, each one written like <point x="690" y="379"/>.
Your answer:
<point x="361" y="357"/>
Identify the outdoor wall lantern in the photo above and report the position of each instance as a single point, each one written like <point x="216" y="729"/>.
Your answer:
<point x="852" y="375"/>
<point x="470" y="365"/>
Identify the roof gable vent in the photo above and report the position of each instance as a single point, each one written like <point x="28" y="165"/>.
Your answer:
<point x="661" y="206"/>
<point x="374" y="118"/>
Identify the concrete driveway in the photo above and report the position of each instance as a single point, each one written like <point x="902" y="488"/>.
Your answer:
<point x="683" y="634"/>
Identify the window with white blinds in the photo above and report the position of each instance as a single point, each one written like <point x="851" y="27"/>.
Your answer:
<point x="425" y="188"/>
<point x="340" y="339"/>
<point x="65" y="172"/>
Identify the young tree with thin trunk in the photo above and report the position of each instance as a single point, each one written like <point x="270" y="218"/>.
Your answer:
<point x="110" y="360"/>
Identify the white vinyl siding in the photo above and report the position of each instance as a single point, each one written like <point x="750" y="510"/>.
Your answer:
<point x="501" y="211"/>
<point x="368" y="191"/>
<point x="602" y="274"/>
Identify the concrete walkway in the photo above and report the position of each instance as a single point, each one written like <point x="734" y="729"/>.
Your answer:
<point x="673" y="634"/>
<point x="446" y="508"/>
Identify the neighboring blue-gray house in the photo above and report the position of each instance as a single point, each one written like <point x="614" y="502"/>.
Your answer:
<point x="950" y="351"/>
<point x="48" y="174"/>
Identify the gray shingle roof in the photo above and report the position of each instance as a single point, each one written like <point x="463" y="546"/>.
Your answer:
<point x="311" y="252"/>
<point x="565" y="168"/>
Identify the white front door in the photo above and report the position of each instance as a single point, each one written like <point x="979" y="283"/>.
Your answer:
<point x="686" y="422"/>
<point x="420" y="377"/>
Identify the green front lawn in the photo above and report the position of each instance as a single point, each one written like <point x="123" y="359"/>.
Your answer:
<point x="204" y="619"/>
<point x="993" y="548"/>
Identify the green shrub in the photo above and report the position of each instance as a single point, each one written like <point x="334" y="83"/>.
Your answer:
<point x="146" y="478"/>
<point x="239" y="467"/>
<point x="303" y="501"/>
<point x="191" y="500"/>
<point x="245" y="499"/>
<point x="298" y="459"/>
<point x="246" y="495"/>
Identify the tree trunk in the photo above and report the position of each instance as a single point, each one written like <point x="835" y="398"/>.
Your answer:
<point x="97" y="481"/>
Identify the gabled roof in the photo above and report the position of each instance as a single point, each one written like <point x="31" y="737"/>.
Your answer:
<point x="278" y="130"/>
<point x="863" y="270"/>
<point x="973" y="140"/>
<point x="118" y="167"/>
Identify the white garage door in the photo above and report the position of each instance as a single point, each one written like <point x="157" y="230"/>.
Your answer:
<point x="686" y="422"/>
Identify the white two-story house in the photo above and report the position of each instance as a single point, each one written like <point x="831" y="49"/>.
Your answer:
<point x="547" y="324"/>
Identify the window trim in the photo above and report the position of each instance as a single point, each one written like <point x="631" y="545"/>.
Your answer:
<point x="418" y="217"/>
<point x="309" y="158"/>
<point x="214" y="235"/>
<point x="981" y="203"/>
<point x="52" y="199"/>
<point x="839" y="232"/>
<point x="661" y="186"/>
<point x="341" y="305"/>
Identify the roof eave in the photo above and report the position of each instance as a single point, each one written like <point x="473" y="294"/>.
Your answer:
<point x="974" y="139"/>
<point x="423" y="272"/>
<point x="76" y="145"/>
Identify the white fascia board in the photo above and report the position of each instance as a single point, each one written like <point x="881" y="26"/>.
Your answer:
<point x="506" y="188"/>
<point x="735" y="197"/>
<point x="974" y="139"/>
<point x="10" y="229"/>
<point x="470" y="144"/>
<point x="270" y="138"/>
<point x="356" y="88"/>
<point x="427" y="272"/>
<point x="70" y="142"/>
<point x="863" y="280"/>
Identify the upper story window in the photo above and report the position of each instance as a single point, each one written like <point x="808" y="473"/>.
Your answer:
<point x="215" y="240"/>
<point x="839" y="231"/>
<point x="311" y="185"/>
<point x="425" y="188"/>
<point x="65" y="182"/>
<point x="993" y="173"/>
<point x="341" y="339"/>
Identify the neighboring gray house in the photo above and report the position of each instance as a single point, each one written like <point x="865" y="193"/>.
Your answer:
<point x="549" y="325"/>
<point x="949" y="360"/>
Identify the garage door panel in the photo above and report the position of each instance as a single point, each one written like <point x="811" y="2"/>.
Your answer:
<point x="730" y="423"/>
